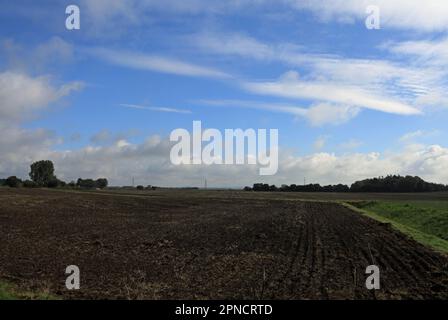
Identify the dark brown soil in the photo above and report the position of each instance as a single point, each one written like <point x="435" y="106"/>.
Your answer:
<point x="170" y="246"/>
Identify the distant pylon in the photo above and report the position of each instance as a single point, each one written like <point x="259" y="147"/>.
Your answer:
<point x="205" y="183"/>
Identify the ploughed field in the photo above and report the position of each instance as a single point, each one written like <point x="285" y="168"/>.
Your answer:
<point x="194" y="245"/>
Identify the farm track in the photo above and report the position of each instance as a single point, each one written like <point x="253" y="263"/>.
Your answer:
<point x="171" y="246"/>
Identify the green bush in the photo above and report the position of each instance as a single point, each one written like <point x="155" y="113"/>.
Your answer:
<point x="30" y="184"/>
<point x="101" y="183"/>
<point x="13" y="182"/>
<point x="53" y="183"/>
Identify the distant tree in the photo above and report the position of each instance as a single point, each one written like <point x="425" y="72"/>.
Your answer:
<point x="13" y="182"/>
<point x="341" y="188"/>
<point x="2" y="182"/>
<point x="261" y="187"/>
<point x="86" y="183"/>
<point x="396" y="183"/>
<point x="101" y="183"/>
<point x="53" y="183"/>
<point x="29" y="184"/>
<point x="72" y="184"/>
<point x="140" y="188"/>
<point x="247" y="189"/>
<point x="42" y="172"/>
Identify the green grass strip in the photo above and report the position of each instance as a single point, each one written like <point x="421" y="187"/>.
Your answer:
<point x="428" y="240"/>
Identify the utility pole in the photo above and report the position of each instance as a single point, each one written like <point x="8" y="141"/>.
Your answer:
<point x="205" y="183"/>
<point x="304" y="181"/>
<point x="133" y="181"/>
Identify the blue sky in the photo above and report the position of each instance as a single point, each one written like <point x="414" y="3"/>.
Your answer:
<point x="349" y="102"/>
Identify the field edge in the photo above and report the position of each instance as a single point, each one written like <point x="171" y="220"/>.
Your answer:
<point x="433" y="242"/>
<point x="9" y="291"/>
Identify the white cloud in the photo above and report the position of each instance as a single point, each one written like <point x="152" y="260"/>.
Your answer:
<point x="405" y="87"/>
<point x="241" y="45"/>
<point x="331" y="92"/>
<point x="320" y="143"/>
<point x="54" y="50"/>
<point x="157" y="109"/>
<point x="317" y="114"/>
<point x="149" y="163"/>
<point x="427" y="16"/>
<point x="21" y="95"/>
<point x="426" y="50"/>
<point x="101" y="137"/>
<point x="49" y="54"/>
<point x="351" y="144"/>
<point x="432" y="15"/>
<point x="324" y="113"/>
<point x="411" y="136"/>
<point x="142" y="61"/>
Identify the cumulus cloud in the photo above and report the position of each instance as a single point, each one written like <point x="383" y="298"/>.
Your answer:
<point x="21" y="95"/>
<point x="22" y="98"/>
<point x="49" y="54"/>
<point x="149" y="162"/>
<point x="21" y="146"/>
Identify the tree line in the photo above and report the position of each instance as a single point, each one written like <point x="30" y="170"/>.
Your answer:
<point x="42" y="175"/>
<point x="391" y="183"/>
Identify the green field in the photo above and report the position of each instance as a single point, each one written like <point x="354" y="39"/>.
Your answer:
<point x="426" y="221"/>
<point x="6" y="293"/>
<point x="11" y="292"/>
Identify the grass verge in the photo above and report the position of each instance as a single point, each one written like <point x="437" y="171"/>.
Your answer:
<point x="406" y="222"/>
<point x="11" y="292"/>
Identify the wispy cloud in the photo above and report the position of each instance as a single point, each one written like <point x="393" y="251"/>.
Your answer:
<point x="290" y="86"/>
<point x="157" y="109"/>
<point x="320" y="143"/>
<point x="427" y="16"/>
<point x="411" y="136"/>
<point x="318" y="114"/>
<point x="276" y="107"/>
<point x="432" y="15"/>
<point x="351" y="144"/>
<point x="378" y="84"/>
<point x="141" y="61"/>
